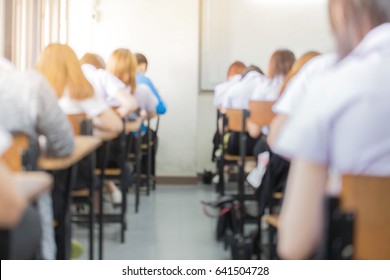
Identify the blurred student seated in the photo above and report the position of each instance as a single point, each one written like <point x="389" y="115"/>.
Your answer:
<point x="17" y="219"/>
<point x="339" y="128"/>
<point x="28" y="105"/>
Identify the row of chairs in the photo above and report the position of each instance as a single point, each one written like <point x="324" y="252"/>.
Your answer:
<point x="358" y="221"/>
<point x="81" y="125"/>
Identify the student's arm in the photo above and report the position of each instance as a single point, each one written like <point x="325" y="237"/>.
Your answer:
<point x="108" y="121"/>
<point x="52" y="122"/>
<point x="254" y="130"/>
<point x="12" y="202"/>
<point x="128" y="103"/>
<point x="301" y="219"/>
<point x="161" y="108"/>
<point x="276" y="126"/>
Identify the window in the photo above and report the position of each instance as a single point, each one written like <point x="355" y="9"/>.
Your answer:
<point x="30" y="25"/>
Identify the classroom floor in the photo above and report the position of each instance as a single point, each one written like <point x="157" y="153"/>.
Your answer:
<point x="170" y="225"/>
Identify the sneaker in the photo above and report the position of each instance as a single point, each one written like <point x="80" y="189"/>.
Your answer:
<point x="76" y="250"/>
<point x="116" y="197"/>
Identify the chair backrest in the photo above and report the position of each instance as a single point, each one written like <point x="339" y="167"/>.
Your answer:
<point x="13" y="157"/>
<point x="368" y="197"/>
<point x="76" y="120"/>
<point x="234" y="119"/>
<point x="261" y="112"/>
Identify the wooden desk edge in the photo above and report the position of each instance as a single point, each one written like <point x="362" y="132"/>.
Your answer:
<point x="80" y="151"/>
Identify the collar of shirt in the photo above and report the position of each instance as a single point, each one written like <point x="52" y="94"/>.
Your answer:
<point x="377" y="39"/>
<point x="252" y="74"/>
<point x="235" y="78"/>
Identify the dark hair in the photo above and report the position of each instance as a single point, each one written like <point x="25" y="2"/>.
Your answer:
<point x="360" y="16"/>
<point x="236" y="68"/>
<point x="280" y="63"/>
<point x="141" y="59"/>
<point x="251" y="68"/>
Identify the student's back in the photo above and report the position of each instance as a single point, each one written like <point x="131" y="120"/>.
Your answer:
<point x="343" y="126"/>
<point x="28" y="104"/>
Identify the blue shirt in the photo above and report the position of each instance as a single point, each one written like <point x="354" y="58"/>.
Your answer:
<point x="161" y="108"/>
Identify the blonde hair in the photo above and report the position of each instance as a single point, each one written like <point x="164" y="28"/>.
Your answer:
<point x="62" y="69"/>
<point x="96" y="60"/>
<point x="297" y="67"/>
<point x="123" y="64"/>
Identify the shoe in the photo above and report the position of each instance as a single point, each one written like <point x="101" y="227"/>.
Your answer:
<point x="116" y="197"/>
<point x="76" y="250"/>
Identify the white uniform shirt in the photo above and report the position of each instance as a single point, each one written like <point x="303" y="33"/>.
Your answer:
<point x="92" y="106"/>
<point x="239" y="94"/>
<point x="221" y="89"/>
<point x="297" y="88"/>
<point x="145" y="98"/>
<point x="268" y="90"/>
<point x="104" y="83"/>
<point x="5" y="141"/>
<point x="343" y="121"/>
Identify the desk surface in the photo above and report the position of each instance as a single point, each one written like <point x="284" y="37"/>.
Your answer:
<point x="132" y="126"/>
<point x="84" y="145"/>
<point x="33" y="184"/>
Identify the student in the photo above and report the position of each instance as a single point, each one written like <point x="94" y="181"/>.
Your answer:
<point x="234" y="75"/>
<point x="237" y="97"/>
<point x="295" y="91"/>
<point x="28" y="105"/>
<point x="76" y="95"/>
<point x="271" y="172"/>
<point x="17" y="219"/>
<point x="141" y="78"/>
<point x="280" y="64"/>
<point x="123" y="64"/>
<point x="113" y="91"/>
<point x="339" y="129"/>
<point x="59" y="64"/>
<point x="12" y="202"/>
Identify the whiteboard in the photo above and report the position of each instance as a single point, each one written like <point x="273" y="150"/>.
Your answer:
<point x="251" y="30"/>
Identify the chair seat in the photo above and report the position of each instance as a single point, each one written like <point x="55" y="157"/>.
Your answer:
<point x="230" y="157"/>
<point x="145" y="146"/>
<point x="278" y="195"/>
<point x="272" y="220"/>
<point x="81" y="193"/>
<point x="109" y="171"/>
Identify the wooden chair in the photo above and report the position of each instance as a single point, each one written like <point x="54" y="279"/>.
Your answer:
<point x="84" y="196"/>
<point x="368" y="199"/>
<point x="260" y="112"/>
<point x="13" y="157"/>
<point x="235" y="121"/>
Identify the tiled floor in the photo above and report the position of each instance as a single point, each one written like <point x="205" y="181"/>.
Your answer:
<point x="170" y="225"/>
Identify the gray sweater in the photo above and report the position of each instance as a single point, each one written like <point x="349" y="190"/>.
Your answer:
<point x="28" y="104"/>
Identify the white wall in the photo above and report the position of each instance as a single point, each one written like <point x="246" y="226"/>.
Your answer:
<point x="255" y="28"/>
<point x="166" y="31"/>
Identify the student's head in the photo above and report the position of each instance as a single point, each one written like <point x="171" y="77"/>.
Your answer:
<point x="236" y="68"/>
<point x="142" y="63"/>
<point x="351" y="20"/>
<point x="59" y="64"/>
<point x="251" y="68"/>
<point x="297" y="67"/>
<point x="123" y="64"/>
<point x="280" y="63"/>
<point x="96" y="60"/>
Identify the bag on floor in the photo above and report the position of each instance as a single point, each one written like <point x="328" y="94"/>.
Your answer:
<point x="242" y="247"/>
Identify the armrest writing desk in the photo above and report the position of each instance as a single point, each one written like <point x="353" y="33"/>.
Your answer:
<point x="84" y="145"/>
